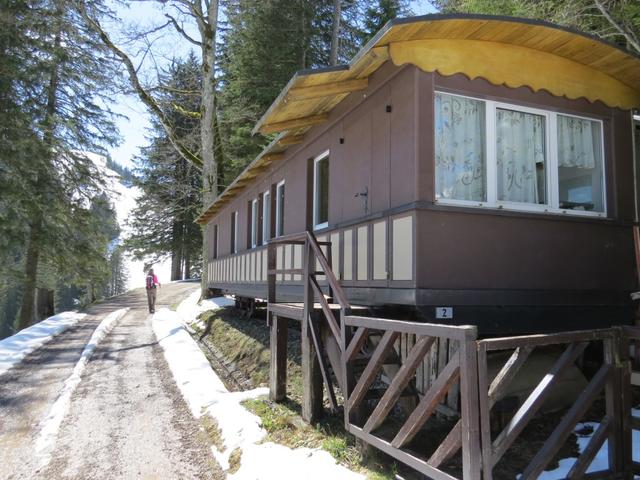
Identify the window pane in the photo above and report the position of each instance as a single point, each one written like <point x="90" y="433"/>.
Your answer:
<point x="280" y="210"/>
<point x="254" y="223"/>
<point x="460" y="148"/>
<point x="322" y="191"/>
<point x="580" y="177"/>
<point x="521" y="157"/>
<point x="266" y="217"/>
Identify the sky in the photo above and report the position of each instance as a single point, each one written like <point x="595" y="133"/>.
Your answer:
<point x="135" y="127"/>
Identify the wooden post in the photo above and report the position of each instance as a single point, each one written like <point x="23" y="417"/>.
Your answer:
<point x="469" y="411"/>
<point x="614" y="400"/>
<point x="311" y="377"/>
<point x="625" y="384"/>
<point x="278" y="347"/>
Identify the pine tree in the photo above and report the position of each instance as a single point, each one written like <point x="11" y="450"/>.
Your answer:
<point x="163" y="223"/>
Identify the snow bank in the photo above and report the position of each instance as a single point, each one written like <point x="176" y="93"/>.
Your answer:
<point x="51" y="423"/>
<point x="206" y="394"/>
<point x="189" y="309"/>
<point x="13" y="349"/>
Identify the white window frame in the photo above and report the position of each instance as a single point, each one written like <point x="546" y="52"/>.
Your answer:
<point x="279" y="231"/>
<point x="254" y="223"/>
<point x="551" y="160"/>
<point x="319" y="158"/>
<point x="266" y="210"/>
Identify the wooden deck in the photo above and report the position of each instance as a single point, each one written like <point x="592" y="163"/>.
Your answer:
<point x="295" y="310"/>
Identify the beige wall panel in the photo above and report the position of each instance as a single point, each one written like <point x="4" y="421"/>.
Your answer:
<point x="402" y="248"/>
<point x="280" y="262"/>
<point x="287" y="261"/>
<point x="335" y="254"/>
<point x="348" y="255"/>
<point x="363" y="259"/>
<point x="264" y="265"/>
<point x="380" y="250"/>
<point x="297" y="261"/>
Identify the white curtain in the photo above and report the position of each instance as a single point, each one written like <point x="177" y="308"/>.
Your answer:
<point x="520" y="156"/>
<point x="460" y="148"/>
<point x="579" y="142"/>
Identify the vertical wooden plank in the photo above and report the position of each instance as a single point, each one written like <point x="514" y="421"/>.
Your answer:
<point x="278" y="348"/>
<point x="613" y="398"/>
<point x="433" y="362"/>
<point x="471" y="458"/>
<point x="625" y="385"/>
<point x="454" y="392"/>
<point x="311" y="376"/>
<point x="485" y="412"/>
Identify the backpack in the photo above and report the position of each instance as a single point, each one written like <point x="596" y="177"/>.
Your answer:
<point x="150" y="283"/>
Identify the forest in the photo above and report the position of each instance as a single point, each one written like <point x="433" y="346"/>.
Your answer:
<point x="64" y="64"/>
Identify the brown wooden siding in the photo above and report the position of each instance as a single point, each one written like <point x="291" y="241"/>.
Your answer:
<point x="382" y="140"/>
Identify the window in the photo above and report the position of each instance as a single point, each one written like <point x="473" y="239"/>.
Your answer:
<point x="254" y="223"/>
<point x="493" y="154"/>
<point x="266" y="217"/>
<point x="580" y="175"/>
<point x="321" y="191"/>
<point x="234" y="232"/>
<point x="280" y="209"/>
<point x="215" y="242"/>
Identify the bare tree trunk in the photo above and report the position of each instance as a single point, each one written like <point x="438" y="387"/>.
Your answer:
<point x="33" y="250"/>
<point x="176" y="251"/>
<point x="335" y="32"/>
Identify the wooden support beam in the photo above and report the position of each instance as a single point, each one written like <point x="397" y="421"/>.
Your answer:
<point x="278" y="347"/>
<point x="311" y="375"/>
<point x="567" y="424"/>
<point x="535" y="400"/>
<point x="586" y="457"/>
<point x="295" y="123"/>
<point x="317" y="344"/>
<point x="372" y="368"/>
<point x="427" y="405"/>
<point x="326" y="89"/>
<point x="291" y="140"/>
<point x="356" y="343"/>
<point x="400" y="381"/>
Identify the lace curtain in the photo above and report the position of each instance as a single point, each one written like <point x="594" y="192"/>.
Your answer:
<point x="578" y="142"/>
<point x="460" y="148"/>
<point x="520" y="156"/>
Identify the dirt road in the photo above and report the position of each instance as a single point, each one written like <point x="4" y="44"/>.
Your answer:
<point x="127" y="418"/>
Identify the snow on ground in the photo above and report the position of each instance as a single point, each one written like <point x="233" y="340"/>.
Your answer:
<point x="189" y="309"/>
<point x="600" y="461"/>
<point x="13" y="349"/>
<point x="205" y="393"/>
<point x="51" y="423"/>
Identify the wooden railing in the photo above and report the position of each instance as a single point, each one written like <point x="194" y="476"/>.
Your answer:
<point x="607" y="378"/>
<point x="461" y="367"/>
<point x="313" y="254"/>
<point x="631" y="380"/>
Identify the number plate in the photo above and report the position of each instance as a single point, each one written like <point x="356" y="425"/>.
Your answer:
<point x="444" y="313"/>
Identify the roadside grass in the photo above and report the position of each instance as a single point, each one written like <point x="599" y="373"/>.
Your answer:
<point x="213" y="432"/>
<point x="245" y="345"/>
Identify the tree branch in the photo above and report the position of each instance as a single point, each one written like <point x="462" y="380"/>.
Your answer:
<point x="144" y="96"/>
<point x="629" y="35"/>
<point x="181" y="30"/>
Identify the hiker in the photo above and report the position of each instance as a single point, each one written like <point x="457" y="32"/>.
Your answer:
<point x="152" y="283"/>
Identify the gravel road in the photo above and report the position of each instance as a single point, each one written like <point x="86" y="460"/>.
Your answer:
<point x="127" y="418"/>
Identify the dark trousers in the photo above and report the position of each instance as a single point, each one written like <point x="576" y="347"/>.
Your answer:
<point x="151" y="299"/>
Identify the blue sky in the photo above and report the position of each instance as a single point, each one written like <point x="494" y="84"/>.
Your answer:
<point x="134" y="128"/>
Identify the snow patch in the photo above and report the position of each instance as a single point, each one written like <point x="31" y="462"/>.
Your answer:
<point x="13" y="349"/>
<point x="206" y="394"/>
<point x="600" y="461"/>
<point x="51" y="423"/>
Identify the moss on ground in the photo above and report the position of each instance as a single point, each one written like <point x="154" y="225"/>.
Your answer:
<point x="213" y="432"/>
<point x="244" y="343"/>
<point x="235" y="460"/>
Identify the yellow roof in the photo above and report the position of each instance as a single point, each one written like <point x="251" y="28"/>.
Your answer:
<point x="511" y="51"/>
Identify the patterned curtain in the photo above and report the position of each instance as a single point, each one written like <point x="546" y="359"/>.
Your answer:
<point x="460" y="148"/>
<point x="578" y="142"/>
<point x="520" y="156"/>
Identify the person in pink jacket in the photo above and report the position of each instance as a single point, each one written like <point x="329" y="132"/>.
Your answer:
<point x="151" y="284"/>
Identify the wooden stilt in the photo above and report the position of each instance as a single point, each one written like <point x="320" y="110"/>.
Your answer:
<point x="278" y="347"/>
